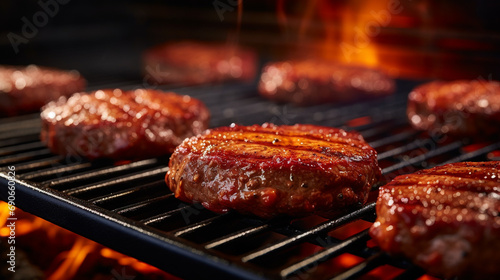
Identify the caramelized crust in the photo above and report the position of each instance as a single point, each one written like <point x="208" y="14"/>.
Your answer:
<point x="445" y="219"/>
<point x="27" y="89"/>
<point x="270" y="170"/>
<point x="119" y="124"/>
<point x="462" y="108"/>
<point x="309" y="82"/>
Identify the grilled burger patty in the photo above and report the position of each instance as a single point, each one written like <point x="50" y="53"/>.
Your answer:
<point x="27" y="89"/>
<point x="119" y="124"/>
<point x="445" y="219"/>
<point x="189" y="62"/>
<point x="270" y="170"/>
<point x="309" y="82"/>
<point x="465" y="108"/>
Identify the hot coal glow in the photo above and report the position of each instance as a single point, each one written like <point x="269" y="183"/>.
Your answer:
<point x="61" y="254"/>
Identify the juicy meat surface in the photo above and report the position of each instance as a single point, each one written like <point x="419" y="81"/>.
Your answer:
<point x="309" y="82"/>
<point x="271" y="170"/>
<point x="445" y="219"/>
<point x="27" y="89"/>
<point x="190" y="63"/>
<point x="119" y="124"/>
<point x="463" y="107"/>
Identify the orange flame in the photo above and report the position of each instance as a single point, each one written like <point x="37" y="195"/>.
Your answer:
<point x="350" y="28"/>
<point x="68" y="263"/>
<point x="73" y="259"/>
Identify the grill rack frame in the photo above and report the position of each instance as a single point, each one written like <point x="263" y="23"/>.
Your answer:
<point x="86" y="215"/>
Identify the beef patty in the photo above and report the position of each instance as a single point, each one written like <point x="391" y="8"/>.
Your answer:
<point x="27" y="89"/>
<point x="309" y="82"/>
<point x="463" y="108"/>
<point x="271" y="170"/>
<point x="190" y="63"/>
<point x="445" y="219"/>
<point x="120" y="124"/>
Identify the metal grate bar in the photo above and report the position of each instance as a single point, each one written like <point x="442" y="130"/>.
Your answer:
<point x="24" y="156"/>
<point x="414" y="272"/>
<point x="403" y="149"/>
<point x="441" y="150"/>
<point x="163" y="216"/>
<point x="35" y="131"/>
<point x="20" y="118"/>
<point x="19" y="140"/>
<point x="474" y="154"/>
<point x="213" y="98"/>
<point x="139" y="205"/>
<point x="237" y="235"/>
<point x="326" y="254"/>
<point x="134" y="194"/>
<point x="39" y="163"/>
<point x="249" y="102"/>
<point x="244" y="111"/>
<point x="20" y="148"/>
<point x="108" y="171"/>
<point x="126" y="192"/>
<point x="372" y="124"/>
<point x="56" y="170"/>
<point x="31" y="122"/>
<point x="326" y="226"/>
<point x="115" y="181"/>
<point x="345" y="114"/>
<point x="393" y="139"/>
<point x="200" y="225"/>
<point x="383" y="128"/>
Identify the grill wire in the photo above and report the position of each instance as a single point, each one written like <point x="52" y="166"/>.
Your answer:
<point x="127" y="206"/>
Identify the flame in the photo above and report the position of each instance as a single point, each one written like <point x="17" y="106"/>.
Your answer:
<point x="4" y="214"/>
<point x="350" y="28"/>
<point x="67" y="264"/>
<point x="73" y="259"/>
<point x="128" y="261"/>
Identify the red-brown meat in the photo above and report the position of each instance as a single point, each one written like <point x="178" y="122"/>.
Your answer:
<point x="445" y="219"/>
<point x="191" y="63"/>
<point x="119" y="124"/>
<point x="462" y="108"/>
<point x="27" y="89"/>
<point x="270" y="170"/>
<point x="309" y="82"/>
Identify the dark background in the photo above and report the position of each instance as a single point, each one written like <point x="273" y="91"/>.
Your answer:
<point x="104" y="39"/>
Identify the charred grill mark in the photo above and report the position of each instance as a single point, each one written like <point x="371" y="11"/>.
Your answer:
<point x="273" y="150"/>
<point x="438" y="189"/>
<point x="121" y="124"/>
<point x="276" y="138"/>
<point x="271" y="173"/>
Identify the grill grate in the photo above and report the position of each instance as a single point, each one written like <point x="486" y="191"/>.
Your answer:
<point x="127" y="206"/>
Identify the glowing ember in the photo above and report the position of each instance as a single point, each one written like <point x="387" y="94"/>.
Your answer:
<point x="40" y="236"/>
<point x="359" y="121"/>
<point x="347" y="260"/>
